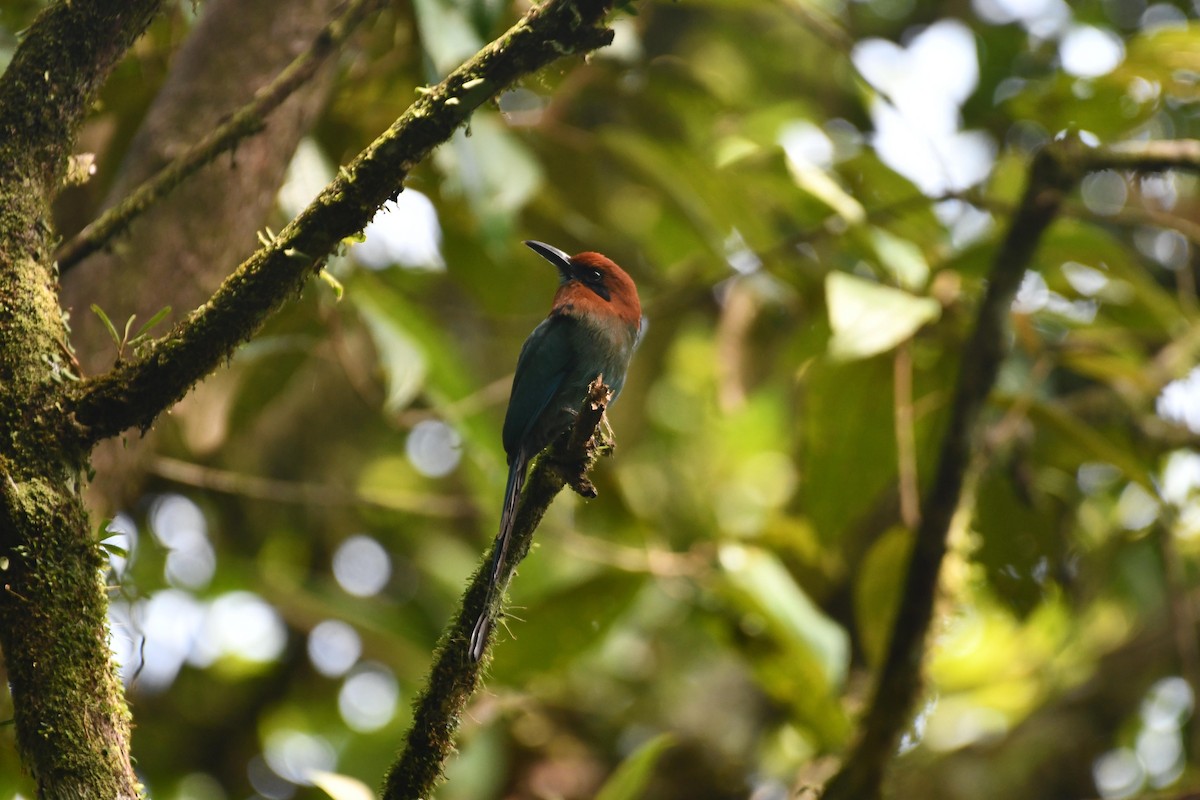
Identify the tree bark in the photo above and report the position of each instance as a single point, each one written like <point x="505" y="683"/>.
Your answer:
<point x="179" y="251"/>
<point x="72" y="724"/>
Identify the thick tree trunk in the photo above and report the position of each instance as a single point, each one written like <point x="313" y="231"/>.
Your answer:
<point x="72" y="724"/>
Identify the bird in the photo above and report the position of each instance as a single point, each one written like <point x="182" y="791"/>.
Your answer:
<point x="591" y="331"/>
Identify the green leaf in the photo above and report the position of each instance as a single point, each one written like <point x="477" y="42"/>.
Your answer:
<point x="1018" y="530"/>
<point x="112" y="330"/>
<point x="128" y="327"/>
<point x="401" y="357"/>
<point x="839" y="397"/>
<point x="447" y="35"/>
<point x="150" y="323"/>
<point x="114" y="549"/>
<point x="903" y="259"/>
<point x="448" y="380"/>
<point x="799" y="656"/>
<point x="1092" y="442"/>
<point x="629" y="780"/>
<point x="821" y="185"/>
<point x="493" y="170"/>
<point x="868" y="318"/>
<point x="1165" y="56"/>
<point x="877" y="588"/>
<point x="1134" y="300"/>
<point x="759" y="575"/>
<point x="333" y="283"/>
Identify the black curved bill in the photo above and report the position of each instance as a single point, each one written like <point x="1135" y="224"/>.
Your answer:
<point x="552" y="254"/>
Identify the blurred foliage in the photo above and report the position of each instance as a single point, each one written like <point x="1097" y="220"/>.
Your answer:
<point x="709" y="626"/>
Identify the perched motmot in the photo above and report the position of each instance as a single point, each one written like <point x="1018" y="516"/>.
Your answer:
<point x="591" y="331"/>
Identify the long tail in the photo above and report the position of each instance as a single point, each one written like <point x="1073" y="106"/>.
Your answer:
<point x="512" y="493"/>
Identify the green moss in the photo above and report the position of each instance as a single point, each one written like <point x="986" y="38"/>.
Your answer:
<point x="72" y="723"/>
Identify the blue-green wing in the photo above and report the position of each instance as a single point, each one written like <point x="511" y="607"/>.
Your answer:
<point x="543" y="365"/>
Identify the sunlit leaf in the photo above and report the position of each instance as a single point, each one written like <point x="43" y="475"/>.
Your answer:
<point x="867" y="318"/>
<point x="820" y="184"/>
<point x="760" y="575"/>
<point x="402" y="359"/>
<point x="799" y="656"/>
<point x="903" y="260"/>
<point x="446" y="33"/>
<point x="341" y="787"/>
<point x="492" y="170"/>
<point x="1166" y="56"/>
<point x="333" y="283"/>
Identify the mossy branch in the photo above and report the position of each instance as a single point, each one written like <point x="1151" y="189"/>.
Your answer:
<point x="54" y="77"/>
<point x="454" y="675"/>
<point x="134" y="393"/>
<point x="248" y="120"/>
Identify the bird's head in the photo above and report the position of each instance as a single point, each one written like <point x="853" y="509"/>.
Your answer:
<point x="594" y="281"/>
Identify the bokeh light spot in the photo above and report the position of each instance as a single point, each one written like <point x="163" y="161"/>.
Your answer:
<point x="405" y="231"/>
<point x="434" y="448"/>
<point x="361" y="566"/>
<point x="368" y="698"/>
<point x="295" y="755"/>
<point x="1089" y="52"/>
<point x="243" y="625"/>
<point x="1179" y="401"/>
<point x="1104" y="192"/>
<point x="1118" y="774"/>
<point x="179" y="525"/>
<point x="333" y="647"/>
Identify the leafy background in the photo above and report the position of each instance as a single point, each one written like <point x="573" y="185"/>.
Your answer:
<point x="808" y="195"/>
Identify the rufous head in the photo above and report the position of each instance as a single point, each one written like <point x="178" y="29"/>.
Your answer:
<point x="594" y="281"/>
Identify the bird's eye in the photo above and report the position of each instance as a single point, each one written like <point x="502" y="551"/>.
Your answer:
<point x="593" y="276"/>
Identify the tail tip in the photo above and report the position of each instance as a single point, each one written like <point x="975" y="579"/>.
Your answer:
<point x="479" y="637"/>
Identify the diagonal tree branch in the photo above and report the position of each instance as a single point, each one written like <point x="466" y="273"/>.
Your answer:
<point x="246" y="121"/>
<point x="861" y="776"/>
<point x="1054" y="173"/>
<point x="134" y="393"/>
<point x="454" y="675"/>
<point x="1151" y="156"/>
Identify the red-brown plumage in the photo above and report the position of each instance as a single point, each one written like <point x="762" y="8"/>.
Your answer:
<point x="623" y="298"/>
